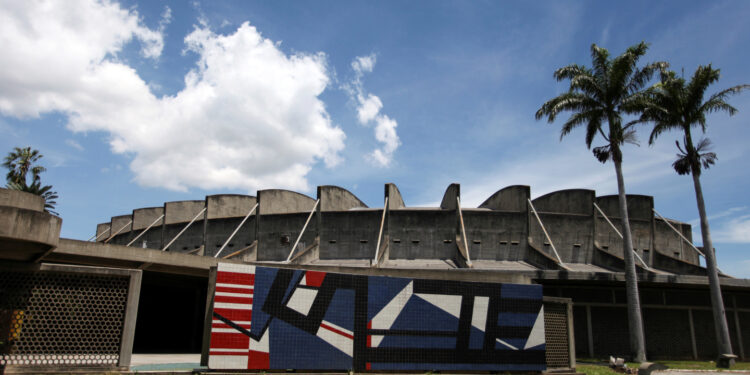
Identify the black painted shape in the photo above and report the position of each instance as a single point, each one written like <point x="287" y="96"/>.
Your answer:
<point x="235" y="326"/>
<point x="464" y="323"/>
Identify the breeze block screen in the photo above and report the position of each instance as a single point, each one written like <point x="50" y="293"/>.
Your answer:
<point x="271" y="318"/>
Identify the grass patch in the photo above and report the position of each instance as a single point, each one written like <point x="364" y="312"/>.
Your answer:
<point x="593" y="367"/>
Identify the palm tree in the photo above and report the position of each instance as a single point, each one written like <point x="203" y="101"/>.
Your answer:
<point x="613" y="87"/>
<point x="677" y="105"/>
<point x="20" y="162"/>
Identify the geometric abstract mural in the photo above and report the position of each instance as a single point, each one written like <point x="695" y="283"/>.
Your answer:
<point x="275" y="319"/>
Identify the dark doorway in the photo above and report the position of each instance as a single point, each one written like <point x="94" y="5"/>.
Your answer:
<point x="170" y="314"/>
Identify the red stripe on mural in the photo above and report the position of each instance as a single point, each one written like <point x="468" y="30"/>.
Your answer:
<point x="229" y="289"/>
<point x="235" y="278"/>
<point x="334" y="330"/>
<point x="369" y="337"/>
<point x="221" y="340"/>
<point x="229" y="299"/>
<point x="258" y="360"/>
<point x="233" y="314"/>
<point x="315" y="278"/>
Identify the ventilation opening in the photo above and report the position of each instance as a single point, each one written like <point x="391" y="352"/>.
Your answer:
<point x="447" y="241"/>
<point x="362" y="241"/>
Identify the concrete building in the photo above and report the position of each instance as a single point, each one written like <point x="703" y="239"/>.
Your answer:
<point x="567" y="241"/>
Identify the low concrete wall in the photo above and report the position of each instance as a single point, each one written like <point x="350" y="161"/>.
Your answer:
<point x="20" y="199"/>
<point x="181" y="211"/>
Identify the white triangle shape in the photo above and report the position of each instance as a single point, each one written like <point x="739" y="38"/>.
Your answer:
<point x="448" y="303"/>
<point x="536" y="336"/>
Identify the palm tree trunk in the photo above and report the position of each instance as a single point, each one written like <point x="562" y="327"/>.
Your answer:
<point x="635" y="321"/>
<point x="720" y="320"/>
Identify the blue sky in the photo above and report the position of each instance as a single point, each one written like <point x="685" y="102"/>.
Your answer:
<point x="137" y="103"/>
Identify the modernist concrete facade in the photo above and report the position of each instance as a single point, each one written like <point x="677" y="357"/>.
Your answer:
<point x="176" y="244"/>
<point x="503" y="239"/>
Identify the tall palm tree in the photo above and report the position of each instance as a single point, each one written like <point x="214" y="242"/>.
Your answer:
<point x="603" y="93"/>
<point x="20" y="162"/>
<point x="678" y="105"/>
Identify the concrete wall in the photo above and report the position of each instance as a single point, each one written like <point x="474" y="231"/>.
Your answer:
<point x="600" y="319"/>
<point x="568" y="217"/>
<point x="512" y="198"/>
<point x="123" y="226"/>
<point x="20" y="199"/>
<point x="499" y="230"/>
<point x="349" y="234"/>
<point x="334" y="198"/>
<point x="142" y="218"/>
<point x="176" y="216"/>
<point x="422" y="234"/>
<point x="641" y="217"/>
<point x="228" y="205"/>
<point x="103" y="231"/>
<point x="277" y="201"/>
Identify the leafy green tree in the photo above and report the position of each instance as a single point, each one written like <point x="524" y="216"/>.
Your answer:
<point x="675" y="104"/>
<point x="20" y="162"/>
<point x="598" y="95"/>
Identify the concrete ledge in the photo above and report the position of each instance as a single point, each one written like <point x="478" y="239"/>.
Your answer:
<point x="27" y="233"/>
<point x="20" y="199"/>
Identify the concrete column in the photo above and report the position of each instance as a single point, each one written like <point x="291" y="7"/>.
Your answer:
<point x="692" y="334"/>
<point x="590" y="332"/>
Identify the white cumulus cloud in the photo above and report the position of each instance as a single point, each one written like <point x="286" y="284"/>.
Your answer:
<point x="368" y="112"/>
<point x="248" y="117"/>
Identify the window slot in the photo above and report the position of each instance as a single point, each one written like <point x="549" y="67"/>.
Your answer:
<point x="447" y="241"/>
<point x="331" y="241"/>
<point x="396" y="240"/>
<point x="414" y="241"/>
<point x="477" y="241"/>
<point x="514" y="242"/>
<point x="362" y="241"/>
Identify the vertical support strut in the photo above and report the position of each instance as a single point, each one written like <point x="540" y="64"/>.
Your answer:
<point x="302" y="232"/>
<point x="145" y="230"/>
<point x="620" y="234"/>
<point x="380" y="233"/>
<point x="236" y="230"/>
<point x="118" y="231"/>
<point x="184" y="229"/>
<point x="546" y="235"/>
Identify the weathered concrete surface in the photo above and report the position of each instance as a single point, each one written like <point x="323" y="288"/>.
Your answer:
<point x="278" y="201"/>
<point x="228" y="205"/>
<point x="496" y="235"/>
<point x="511" y="198"/>
<point x="103" y="231"/>
<point x="25" y="234"/>
<point x="452" y="193"/>
<point x="20" y="199"/>
<point x="143" y="217"/>
<point x="395" y="201"/>
<point x="181" y="211"/>
<point x="349" y="234"/>
<point x="334" y="198"/>
<point x="97" y="254"/>
<point x="568" y="218"/>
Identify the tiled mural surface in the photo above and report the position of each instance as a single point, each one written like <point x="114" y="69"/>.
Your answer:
<point x="270" y="318"/>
